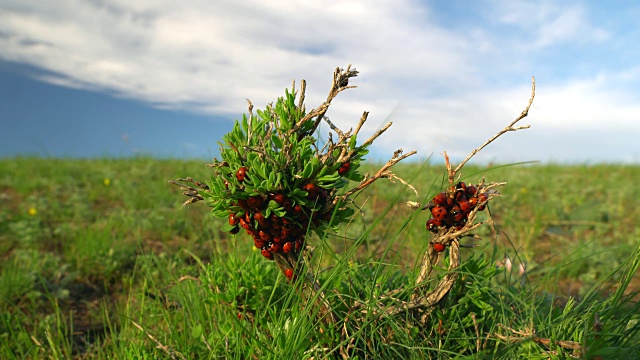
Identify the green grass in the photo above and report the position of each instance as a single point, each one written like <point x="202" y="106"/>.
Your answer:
<point x="116" y="269"/>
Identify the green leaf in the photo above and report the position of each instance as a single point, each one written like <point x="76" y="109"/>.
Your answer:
<point x="277" y="142"/>
<point x="227" y="227"/>
<point x="329" y="178"/>
<point x="196" y="331"/>
<point x="352" y="142"/>
<point x="482" y="305"/>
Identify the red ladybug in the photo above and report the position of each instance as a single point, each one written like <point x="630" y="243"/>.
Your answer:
<point x="462" y="186"/>
<point x="274" y="248"/>
<point x="255" y="202"/>
<point x="278" y="198"/>
<point x="260" y="219"/>
<point x="440" y="199"/>
<point x="298" y="244"/>
<point x="438" y="247"/>
<point x="244" y="224"/>
<point x="344" y="168"/>
<point x="482" y="201"/>
<point x="311" y="189"/>
<point x="288" y="273"/>
<point x="234" y="219"/>
<point x="433" y="224"/>
<point x="239" y="316"/>
<point x="439" y="212"/>
<point x="287" y="247"/>
<point x="471" y="190"/>
<point x="264" y="236"/>
<point x="465" y="206"/>
<point x="243" y="204"/>
<point x="473" y="202"/>
<point x="266" y="253"/>
<point x="241" y="174"/>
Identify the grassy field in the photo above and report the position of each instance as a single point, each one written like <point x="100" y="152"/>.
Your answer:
<point x="99" y="260"/>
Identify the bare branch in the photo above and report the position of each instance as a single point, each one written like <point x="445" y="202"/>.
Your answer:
<point x="509" y="127"/>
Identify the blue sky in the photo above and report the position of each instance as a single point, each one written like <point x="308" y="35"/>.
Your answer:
<point x="119" y="78"/>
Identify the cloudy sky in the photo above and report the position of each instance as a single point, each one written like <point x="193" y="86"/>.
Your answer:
<point x="89" y="78"/>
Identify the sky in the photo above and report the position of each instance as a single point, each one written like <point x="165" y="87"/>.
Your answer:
<point x="96" y="78"/>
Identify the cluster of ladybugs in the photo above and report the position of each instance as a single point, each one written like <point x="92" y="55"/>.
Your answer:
<point x="275" y="234"/>
<point x="452" y="207"/>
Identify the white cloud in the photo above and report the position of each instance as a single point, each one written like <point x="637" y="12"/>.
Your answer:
<point x="453" y="85"/>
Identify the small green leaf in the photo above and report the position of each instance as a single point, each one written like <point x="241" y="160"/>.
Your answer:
<point x="277" y="142"/>
<point x="352" y="142"/>
<point x="196" y="332"/>
<point x="227" y="227"/>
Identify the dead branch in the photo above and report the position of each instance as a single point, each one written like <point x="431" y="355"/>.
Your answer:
<point x="508" y="128"/>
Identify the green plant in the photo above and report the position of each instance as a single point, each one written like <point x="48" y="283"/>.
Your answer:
<point x="278" y="183"/>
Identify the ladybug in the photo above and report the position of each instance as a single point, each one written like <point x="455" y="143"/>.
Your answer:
<point x="433" y="224"/>
<point x="465" y="206"/>
<point x="278" y="198"/>
<point x="438" y="247"/>
<point x="277" y="239"/>
<point x="311" y="189"/>
<point x="297" y="210"/>
<point x="258" y="243"/>
<point x="458" y="217"/>
<point x="482" y="200"/>
<point x="461" y="186"/>
<point x="344" y="168"/>
<point x="473" y="202"/>
<point x="243" y="204"/>
<point x="273" y="247"/>
<point x="440" y="199"/>
<point x="255" y="201"/>
<point x="241" y="174"/>
<point x="239" y="316"/>
<point x="266" y="253"/>
<point x="287" y="247"/>
<point x="471" y="190"/>
<point x="243" y="224"/>
<point x="234" y="219"/>
<point x="234" y="231"/>
<point x="439" y="212"/>
<point x="298" y="244"/>
<point x="264" y="236"/>
<point x="288" y="273"/>
<point x="260" y="219"/>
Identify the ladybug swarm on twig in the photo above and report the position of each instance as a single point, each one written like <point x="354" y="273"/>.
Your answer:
<point x="451" y="208"/>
